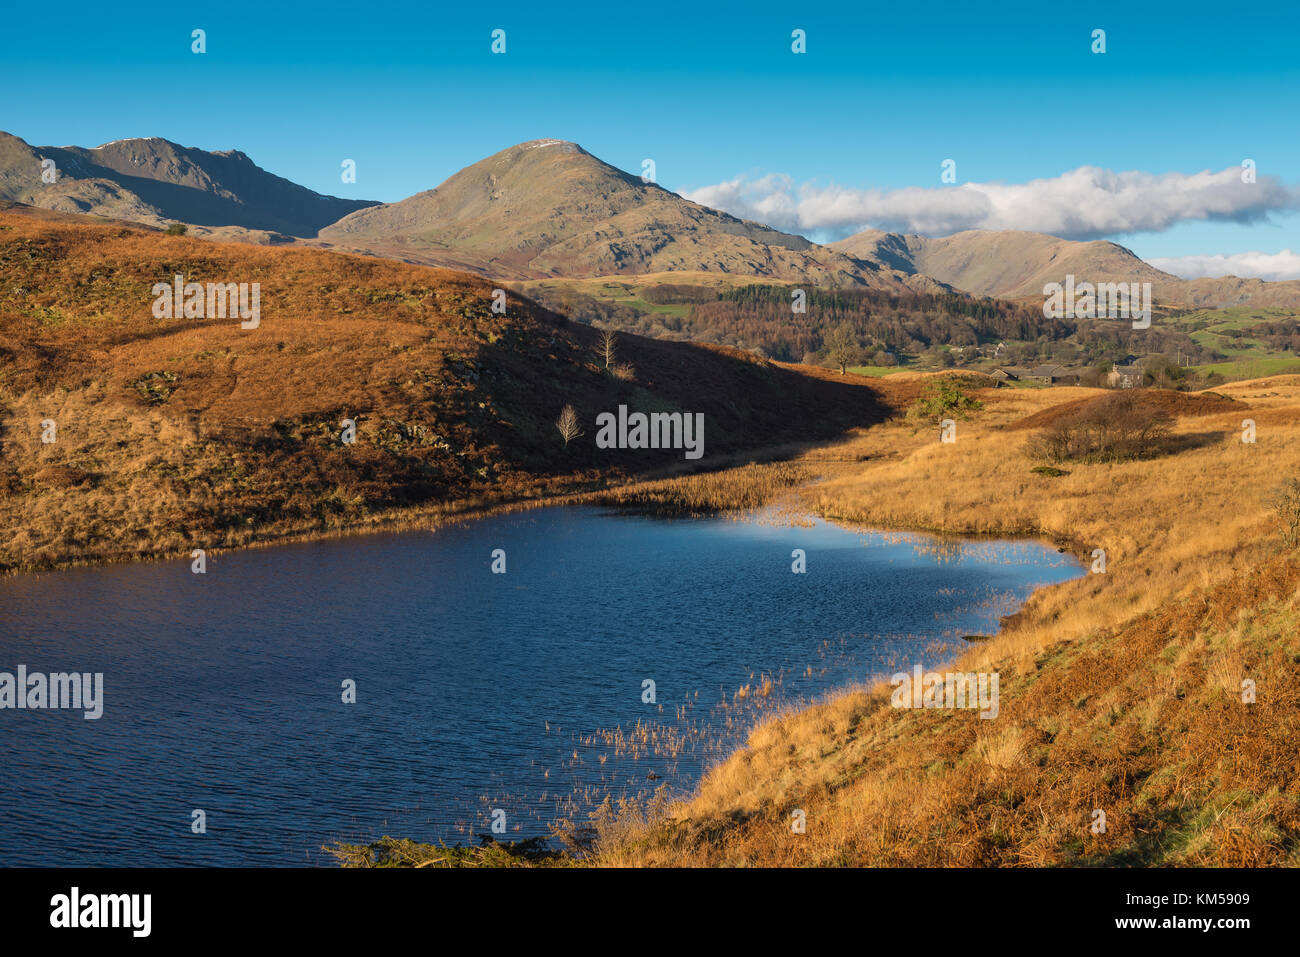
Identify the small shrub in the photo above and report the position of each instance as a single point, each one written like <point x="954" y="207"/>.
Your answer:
<point x="1284" y="502"/>
<point x="156" y="387"/>
<point x="941" y="399"/>
<point x="1116" y="428"/>
<point x="177" y="229"/>
<point x="567" y="424"/>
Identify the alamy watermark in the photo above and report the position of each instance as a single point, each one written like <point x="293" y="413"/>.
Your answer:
<point x="1104" y="300"/>
<point x="36" y="691"/>
<point x="658" y="430"/>
<point x="215" y="300"/>
<point x="954" y="689"/>
<point x="128" y="911"/>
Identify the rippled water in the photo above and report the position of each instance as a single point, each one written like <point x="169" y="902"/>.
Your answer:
<point x="475" y="691"/>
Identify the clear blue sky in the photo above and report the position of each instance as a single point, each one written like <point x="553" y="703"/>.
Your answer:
<point x="1010" y="91"/>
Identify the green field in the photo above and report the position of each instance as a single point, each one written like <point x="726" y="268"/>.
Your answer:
<point x="1213" y="328"/>
<point x="876" y="371"/>
<point x="681" y="310"/>
<point x="1249" y="367"/>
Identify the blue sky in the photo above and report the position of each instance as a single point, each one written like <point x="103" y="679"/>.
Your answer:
<point x="712" y="93"/>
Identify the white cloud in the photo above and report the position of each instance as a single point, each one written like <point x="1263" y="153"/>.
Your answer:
<point x="1253" y="265"/>
<point x="1085" y="203"/>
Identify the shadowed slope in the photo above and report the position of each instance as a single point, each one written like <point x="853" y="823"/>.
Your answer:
<point x="181" y="433"/>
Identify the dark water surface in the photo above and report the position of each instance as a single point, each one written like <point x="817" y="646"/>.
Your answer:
<point x="475" y="691"/>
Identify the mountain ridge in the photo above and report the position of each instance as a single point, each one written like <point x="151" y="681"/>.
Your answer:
<point x="1015" y="264"/>
<point x="155" y="181"/>
<point x="548" y="209"/>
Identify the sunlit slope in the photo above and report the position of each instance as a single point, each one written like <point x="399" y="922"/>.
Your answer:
<point x="1120" y="692"/>
<point x="549" y="208"/>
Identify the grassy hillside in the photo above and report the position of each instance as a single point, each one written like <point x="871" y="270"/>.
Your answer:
<point x="1120" y="692"/>
<point x="1007" y="262"/>
<point x="175" y="434"/>
<point x="1016" y="263"/>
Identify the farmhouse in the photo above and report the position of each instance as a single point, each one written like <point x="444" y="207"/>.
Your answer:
<point x="1124" y="377"/>
<point x="1047" y="374"/>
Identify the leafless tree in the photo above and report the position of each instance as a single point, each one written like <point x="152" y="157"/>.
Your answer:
<point x="567" y="424"/>
<point x="842" y="347"/>
<point x="607" y="348"/>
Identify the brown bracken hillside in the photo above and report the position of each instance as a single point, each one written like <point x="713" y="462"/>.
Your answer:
<point x="173" y="434"/>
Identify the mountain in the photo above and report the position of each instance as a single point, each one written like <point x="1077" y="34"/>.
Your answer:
<point x="1007" y="263"/>
<point x="548" y="208"/>
<point x="156" y="181"/>
<point x="1014" y="264"/>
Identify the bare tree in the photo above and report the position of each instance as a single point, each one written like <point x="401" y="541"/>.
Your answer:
<point x="842" y="347"/>
<point x="607" y="348"/>
<point x="567" y="424"/>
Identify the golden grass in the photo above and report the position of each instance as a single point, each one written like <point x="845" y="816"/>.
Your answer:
<point x="1121" y="692"/>
<point x="1167" y="524"/>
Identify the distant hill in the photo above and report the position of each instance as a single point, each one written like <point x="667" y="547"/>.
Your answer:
<point x="548" y="208"/>
<point x="1014" y="264"/>
<point x="155" y="181"/>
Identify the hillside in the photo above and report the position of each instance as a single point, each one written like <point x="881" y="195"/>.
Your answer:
<point x="1014" y="264"/>
<point x="1120" y="691"/>
<point x="173" y="434"/>
<point x="155" y="181"/>
<point x="548" y="208"/>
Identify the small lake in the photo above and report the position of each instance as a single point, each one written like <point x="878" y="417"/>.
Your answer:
<point x="475" y="691"/>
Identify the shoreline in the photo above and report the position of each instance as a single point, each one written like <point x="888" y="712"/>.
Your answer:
<point x="547" y="847"/>
<point x="1094" y="671"/>
<point x="1086" y="667"/>
<point x="617" y="496"/>
<point x="431" y="517"/>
